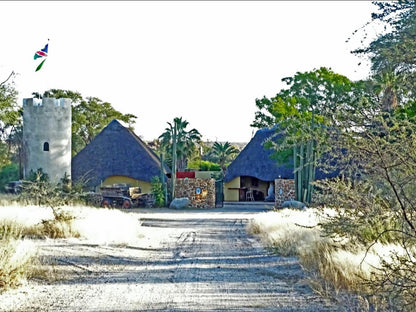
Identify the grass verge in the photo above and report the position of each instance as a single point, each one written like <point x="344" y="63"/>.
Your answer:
<point x="336" y="269"/>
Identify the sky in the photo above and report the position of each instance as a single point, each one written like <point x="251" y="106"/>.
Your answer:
<point x="204" y="61"/>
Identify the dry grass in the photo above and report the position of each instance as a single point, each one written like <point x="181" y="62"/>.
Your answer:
<point x="334" y="270"/>
<point x="287" y="230"/>
<point x="16" y="262"/>
<point x="19" y="224"/>
<point x="96" y="224"/>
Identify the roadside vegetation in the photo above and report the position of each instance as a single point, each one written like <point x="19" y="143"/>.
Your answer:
<point x="365" y="133"/>
<point x="43" y="211"/>
<point x="358" y="241"/>
<point x="337" y="268"/>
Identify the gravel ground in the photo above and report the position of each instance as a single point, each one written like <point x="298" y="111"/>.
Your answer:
<point x="186" y="261"/>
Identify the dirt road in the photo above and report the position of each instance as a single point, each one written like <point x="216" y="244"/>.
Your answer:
<point x="186" y="262"/>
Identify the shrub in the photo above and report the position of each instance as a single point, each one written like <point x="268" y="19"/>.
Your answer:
<point x="336" y="268"/>
<point x="8" y="173"/>
<point x="39" y="191"/>
<point x="158" y="191"/>
<point x="204" y="165"/>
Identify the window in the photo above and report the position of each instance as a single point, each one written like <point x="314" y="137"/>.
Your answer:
<point x="46" y="147"/>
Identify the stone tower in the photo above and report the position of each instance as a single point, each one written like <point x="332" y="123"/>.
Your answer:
<point x="47" y="137"/>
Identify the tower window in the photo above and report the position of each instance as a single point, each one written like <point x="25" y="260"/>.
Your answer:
<point x="46" y="147"/>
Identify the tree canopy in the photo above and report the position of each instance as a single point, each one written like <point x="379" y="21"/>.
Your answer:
<point x="185" y="140"/>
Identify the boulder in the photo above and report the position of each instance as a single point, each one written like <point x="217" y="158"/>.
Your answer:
<point x="294" y="204"/>
<point x="180" y="203"/>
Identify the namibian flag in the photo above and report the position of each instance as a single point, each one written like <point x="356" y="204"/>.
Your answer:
<point x="41" y="53"/>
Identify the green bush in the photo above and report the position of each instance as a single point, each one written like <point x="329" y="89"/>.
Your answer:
<point x="204" y="165"/>
<point x="158" y="191"/>
<point x="8" y="173"/>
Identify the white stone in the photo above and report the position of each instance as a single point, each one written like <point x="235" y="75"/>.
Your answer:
<point x="180" y="203"/>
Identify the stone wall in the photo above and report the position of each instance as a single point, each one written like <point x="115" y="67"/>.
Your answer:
<point x="201" y="192"/>
<point x="284" y="190"/>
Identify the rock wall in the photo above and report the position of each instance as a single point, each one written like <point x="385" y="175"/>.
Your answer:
<point x="201" y="192"/>
<point x="284" y="190"/>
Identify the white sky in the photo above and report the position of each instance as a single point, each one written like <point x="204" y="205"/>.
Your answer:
<point x="205" y="61"/>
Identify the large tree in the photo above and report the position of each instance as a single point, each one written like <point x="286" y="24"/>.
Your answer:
<point x="89" y="116"/>
<point x="10" y="118"/>
<point x="380" y="140"/>
<point x="303" y="112"/>
<point x="393" y="54"/>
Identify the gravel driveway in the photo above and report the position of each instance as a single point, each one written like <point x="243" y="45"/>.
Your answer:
<point x="188" y="261"/>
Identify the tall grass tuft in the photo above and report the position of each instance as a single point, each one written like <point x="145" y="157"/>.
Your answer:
<point x="287" y="230"/>
<point x="16" y="255"/>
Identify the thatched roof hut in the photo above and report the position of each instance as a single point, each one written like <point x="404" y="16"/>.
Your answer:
<point x="255" y="161"/>
<point x="116" y="151"/>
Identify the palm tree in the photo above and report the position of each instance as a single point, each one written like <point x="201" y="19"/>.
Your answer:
<point x="223" y="153"/>
<point x="387" y="85"/>
<point x="186" y="141"/>
<point x="179" y="143"/>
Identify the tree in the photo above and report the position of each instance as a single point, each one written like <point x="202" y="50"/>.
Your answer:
<point x="10" y="118"/>
<point x="303" y="112"/>
<point x="179" y="144"/>
<point x="392" y="55"/>
<point x="89" y="116"/>
<point x="223" y="153"/>
<point x="186" y="141"/>
<point x="380" y="139"/>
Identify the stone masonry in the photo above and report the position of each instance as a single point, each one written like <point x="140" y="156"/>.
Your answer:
<point x="201" y="192"/>
<point x="47" y="136"/>
<point x="284" y="190"/>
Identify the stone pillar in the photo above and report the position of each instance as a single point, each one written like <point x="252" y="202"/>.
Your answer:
<point x="284" y="190"/>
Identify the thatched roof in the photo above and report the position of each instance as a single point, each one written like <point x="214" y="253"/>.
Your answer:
<point x="116" y="151"/>
<point x="255" y="161"/>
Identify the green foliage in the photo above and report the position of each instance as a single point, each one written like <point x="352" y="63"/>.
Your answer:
<point x="302" y="113"/>
<point x="376" y="202"/>
<point x="223" y="153"/>
<point x="10" y="119"/>
<point x="204" y="165"/>
<point x="9" y="110"/>
<point x="158" y="191"/>
<point x="8" y="173"/>
<point x="186" y="142"/>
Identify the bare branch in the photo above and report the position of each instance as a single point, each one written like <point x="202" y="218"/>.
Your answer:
<point x="11" y="75"/>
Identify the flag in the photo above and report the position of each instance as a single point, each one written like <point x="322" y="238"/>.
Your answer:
<point x="43" y="53"/>
<point x="40" y="65"/>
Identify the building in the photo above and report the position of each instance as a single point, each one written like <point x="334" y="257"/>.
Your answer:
<point x="47" y="137"/>
<point x="117" y="155"/>
<point x="255" y="173"/>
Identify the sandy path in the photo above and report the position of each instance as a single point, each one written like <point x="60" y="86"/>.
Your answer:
<point x="186" y="262"/>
